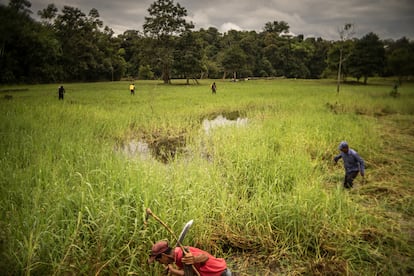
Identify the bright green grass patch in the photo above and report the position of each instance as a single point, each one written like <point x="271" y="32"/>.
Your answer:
<point x="74" y="183"/>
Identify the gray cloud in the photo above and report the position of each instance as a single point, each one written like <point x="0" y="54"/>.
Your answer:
<point x="320" y="18"/>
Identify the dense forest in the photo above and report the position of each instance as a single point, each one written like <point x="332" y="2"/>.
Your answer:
<point x="69" y="45"/>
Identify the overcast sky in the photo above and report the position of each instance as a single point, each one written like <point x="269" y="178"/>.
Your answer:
<point x="319" y="18"/>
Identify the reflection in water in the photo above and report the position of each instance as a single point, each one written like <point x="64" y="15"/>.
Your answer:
<point x="136" y="148"/>
<point x="165" y="148"/>
<point x="220" y="121"/>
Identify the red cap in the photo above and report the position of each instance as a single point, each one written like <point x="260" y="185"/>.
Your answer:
<point x="158" y="248"/>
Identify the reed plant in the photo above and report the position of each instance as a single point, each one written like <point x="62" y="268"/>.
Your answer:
<point x="265" y="195"/>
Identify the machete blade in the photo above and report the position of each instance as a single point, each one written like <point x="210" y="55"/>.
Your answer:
<point x="184" y="232"/>
<point x="188" y="269"/>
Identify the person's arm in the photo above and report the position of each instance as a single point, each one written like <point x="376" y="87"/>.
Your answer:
<point x="174" y="271"/>
<point x="361" y="164"/>
<point x="336" y="158"/>
<point x="190" y="259"/>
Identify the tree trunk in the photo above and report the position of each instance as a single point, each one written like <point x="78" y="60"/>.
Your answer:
<point x="166" y="74"/>
<point x="339" y="71"/>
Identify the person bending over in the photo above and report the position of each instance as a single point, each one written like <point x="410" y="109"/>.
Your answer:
<point x="203" y="262"/>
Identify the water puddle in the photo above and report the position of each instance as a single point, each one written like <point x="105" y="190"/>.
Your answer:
<point x="164" y="148"/>
<point x="221" y="121"/>
<point x="135" y="148"/>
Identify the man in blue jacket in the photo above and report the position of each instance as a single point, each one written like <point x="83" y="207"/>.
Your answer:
<point x="353" y="163"/>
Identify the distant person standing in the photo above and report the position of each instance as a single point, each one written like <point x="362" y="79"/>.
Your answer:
<point x="353" y="164"/>
<point x="61" y="92"/>
<point x="213" y="88"/>
<point x="132" y="88"/>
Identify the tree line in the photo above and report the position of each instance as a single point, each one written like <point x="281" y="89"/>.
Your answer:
<point x="69" y="45"/>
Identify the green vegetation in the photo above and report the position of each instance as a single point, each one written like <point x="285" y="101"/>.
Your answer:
<point x="264" y="195"/>
<point x="70" y="45"/>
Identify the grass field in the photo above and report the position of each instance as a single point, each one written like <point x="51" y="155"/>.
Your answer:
<point x="77" y="175"/>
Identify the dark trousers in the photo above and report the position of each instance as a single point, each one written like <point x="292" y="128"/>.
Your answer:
<point x="349" y="179"/>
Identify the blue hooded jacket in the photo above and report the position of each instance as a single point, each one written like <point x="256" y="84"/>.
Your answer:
<point x="352" y="161"/>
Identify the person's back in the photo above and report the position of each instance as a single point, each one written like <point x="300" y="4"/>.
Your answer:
<point x="61" y="92"/>
<point x="132" y="88"/>
<point x="213" y="88"/>
<point x="213" y="265"/>
<point x="352" y="161"/>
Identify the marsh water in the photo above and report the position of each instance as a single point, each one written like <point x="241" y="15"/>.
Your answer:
<point x="165" y="148"/>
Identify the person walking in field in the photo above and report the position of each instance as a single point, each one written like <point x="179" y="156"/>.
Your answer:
<point x="353" y="164"/>
<point x="213" y="88"/>
<point x="61" y="92"/>
<point x="132" y="89"/>
<point x="203" y="262"/>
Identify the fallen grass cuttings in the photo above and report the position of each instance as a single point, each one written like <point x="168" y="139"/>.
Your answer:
<point x="229" y="240"/>
<point x="385" y="111"/>
<point x="247" y="264"/>
<point x="340" y="108"/>
<point x="372" y="235"/>
<point x="327" y="266"/>
<point x="382" y="190"/>
<point x="327" y="247"/>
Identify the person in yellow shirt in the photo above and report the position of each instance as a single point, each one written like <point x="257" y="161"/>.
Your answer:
<point x="132" y="88"/>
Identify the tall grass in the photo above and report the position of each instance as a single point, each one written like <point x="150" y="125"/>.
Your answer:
<point x="264" y="195"/>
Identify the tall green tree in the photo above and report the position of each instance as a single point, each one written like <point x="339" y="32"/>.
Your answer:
<point x="273" y="53"/>
<point x="13" y="23"/>
<point x="233" y="60"/>
<point x="132" y="45"/>
<point x="165" y="23"/>
<point x="28" y="52"/>
<point x="21" y="6"/>
<point x="89" y="51"/>
<point x="400" y="58"/>
<point x="277" y="48"/>
<point x="210" y="40"/>
<point x="48" y="14"/>
<point x="250" y="44"/>
<point x="367" y="58"/>
<point x="297" y="55"/>
<point x="276" y="27"/>
<point x="188" y="57"/>
<point x="77" y="50"/>
<point x="317" y="61"/>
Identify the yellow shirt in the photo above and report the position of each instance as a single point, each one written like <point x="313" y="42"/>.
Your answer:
<point x="131" y="87"/>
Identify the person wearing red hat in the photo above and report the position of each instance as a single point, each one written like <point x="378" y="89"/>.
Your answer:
<point x="205" y="263"/>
